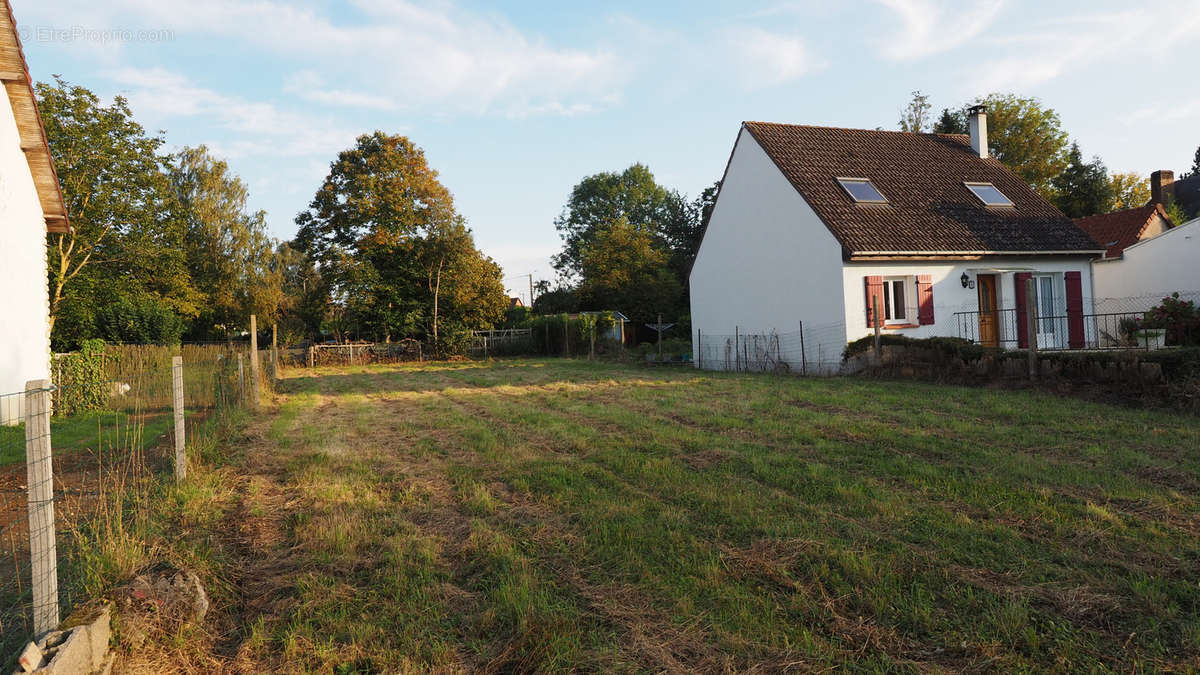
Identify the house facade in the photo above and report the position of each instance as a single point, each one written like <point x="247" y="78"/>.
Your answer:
<point x="31" y="205"/>
<point x="1146" y="258"/>
<point x="820" y="226"/>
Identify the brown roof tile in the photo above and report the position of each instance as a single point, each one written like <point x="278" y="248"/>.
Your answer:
<point x="929" y="209"/>
<point x="1119" y="230"/>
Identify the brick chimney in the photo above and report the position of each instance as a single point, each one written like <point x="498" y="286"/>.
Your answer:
<point x="977" y="123"/>
<point x="1162" y="190"/>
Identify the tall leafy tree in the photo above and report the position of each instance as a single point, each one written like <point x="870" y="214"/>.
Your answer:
<point x="632" y="194"/>
<point x="1028" y="137"/>
<point x="127" y="234"/>
<point x="385" y="235"/>
<point x="230" y="256"/>
<point x="1082" y="188"/>
<point x="622" y="267"/>
<point x="1195" y="170"/>
<point x="951" y="122"/>
<point x="915" y="116"/>
<point x="1129" y="190"/>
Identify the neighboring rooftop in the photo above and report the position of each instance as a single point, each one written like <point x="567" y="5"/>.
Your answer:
<point x="14" y="73"/>
<point x="1119" y="230"/>
<point x="930" y="210"/>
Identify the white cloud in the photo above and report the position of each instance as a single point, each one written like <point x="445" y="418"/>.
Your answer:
<point x="931" y="27"/>
<point x="436" y="54"/>
<point x="310" y="86"/>
<point x="260" y="128"/>
<point x="766" y="59"/>
<point x="1047" y="50"/>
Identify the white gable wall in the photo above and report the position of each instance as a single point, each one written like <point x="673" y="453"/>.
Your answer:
<point x="25" y="305"/>
<point x="1149" y="270"/>
<point x="767" y="261"/>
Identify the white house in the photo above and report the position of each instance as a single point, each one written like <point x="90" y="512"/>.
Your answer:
<point x="31" y="205"/>
<point x="817" y="225"/>
<point x="1145" y="258"/>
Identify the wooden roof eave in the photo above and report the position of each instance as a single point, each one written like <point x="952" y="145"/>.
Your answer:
<point x="18" y="85"/>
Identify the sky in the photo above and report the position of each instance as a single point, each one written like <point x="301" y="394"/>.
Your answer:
<point x="515" y="102"/>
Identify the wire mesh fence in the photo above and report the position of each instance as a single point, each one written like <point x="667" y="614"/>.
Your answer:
<point x="809" y="350"/>
<point x="82" y="462"/>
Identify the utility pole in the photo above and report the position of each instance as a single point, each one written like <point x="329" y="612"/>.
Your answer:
<point x="531" y="291"/>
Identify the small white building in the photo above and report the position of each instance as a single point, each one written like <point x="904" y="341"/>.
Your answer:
<point x="818" y="225"/>
<point x="1145" y="258"/>
<point x="31" y="204"/>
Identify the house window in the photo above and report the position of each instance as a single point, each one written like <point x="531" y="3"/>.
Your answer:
<point x="862" y="191"/>
<point x="895" y="300"/>
<point x="1047" y="306"/>
<point x="988" y="194"/>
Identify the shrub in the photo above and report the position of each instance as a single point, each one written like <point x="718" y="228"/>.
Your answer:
<point x="139" y="322"/>
<point x="1180" y="318"/>
<point x="80" y="379"/>
<point x="959" y="347"/>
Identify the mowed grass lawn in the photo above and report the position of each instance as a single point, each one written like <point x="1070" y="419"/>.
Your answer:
<point x="564" y="515"/>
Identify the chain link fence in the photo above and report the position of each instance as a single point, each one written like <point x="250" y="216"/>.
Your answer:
<point x="809" y="350"/>
<point x="82" y="462"/>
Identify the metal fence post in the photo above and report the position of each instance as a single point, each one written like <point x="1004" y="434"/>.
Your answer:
<point x="177" y="386"/>
<point x="254" y="360"/>
<point x="241" y="380"/>
<point x="737" y="351"/>
<point x="803" y="353"/>
<point x="43" y="554"/>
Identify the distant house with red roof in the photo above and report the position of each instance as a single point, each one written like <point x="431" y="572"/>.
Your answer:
<point x="1146" y="257"/>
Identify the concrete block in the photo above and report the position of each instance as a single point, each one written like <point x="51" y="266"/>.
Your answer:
<point x="72" y="657"/>
<point x="99" y="634"/>
<point x="30" y="658"/>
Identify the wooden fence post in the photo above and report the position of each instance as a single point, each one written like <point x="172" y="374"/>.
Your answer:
<point x="311" y="355"/>
<point x="274" y="352"/>
<point x="254" y="360"/>
<point x="1031" y="317"/>
<point x="241" y="379"/>
<point x="699" y="349"/>
<point x="43" y="553"/>
<point x="177" y="387"/>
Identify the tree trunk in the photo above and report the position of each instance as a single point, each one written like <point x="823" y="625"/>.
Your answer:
<point x="437" y="286"/>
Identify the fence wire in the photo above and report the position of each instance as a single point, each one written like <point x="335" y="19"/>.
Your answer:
<point x="809" y="350"/>
<point x="107" y="444"/>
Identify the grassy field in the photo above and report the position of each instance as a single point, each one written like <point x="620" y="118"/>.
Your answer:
<point x="554" y="515"/>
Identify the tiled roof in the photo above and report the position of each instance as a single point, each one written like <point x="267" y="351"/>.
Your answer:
<point x="929" y="208"/>
<point x="1120" y="229"/>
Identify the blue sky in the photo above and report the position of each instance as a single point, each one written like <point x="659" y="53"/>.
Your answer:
<point x="515" y="102"/>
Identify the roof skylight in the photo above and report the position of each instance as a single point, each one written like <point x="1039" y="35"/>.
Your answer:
<point x="862" y="191"/>
<point x="988" y="194"/>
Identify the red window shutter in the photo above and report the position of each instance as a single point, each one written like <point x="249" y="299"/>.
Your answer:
<point x="925" y="299"/>
<point x="1074" y="310"/>
<point x="874" y="287"/>
<point x="1019" y="280"/>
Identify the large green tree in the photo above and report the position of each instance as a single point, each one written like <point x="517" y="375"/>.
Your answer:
<point x="396" y="257"/>
<point x="1022" y="132"/>
<point x="623" y="267"/>
<point x="1129" y="190"/>
<point x="1082" y="188"/>
<point x="126" y="239"/>
<point x="632" y="194"/>
<point x="230" y="255"/>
